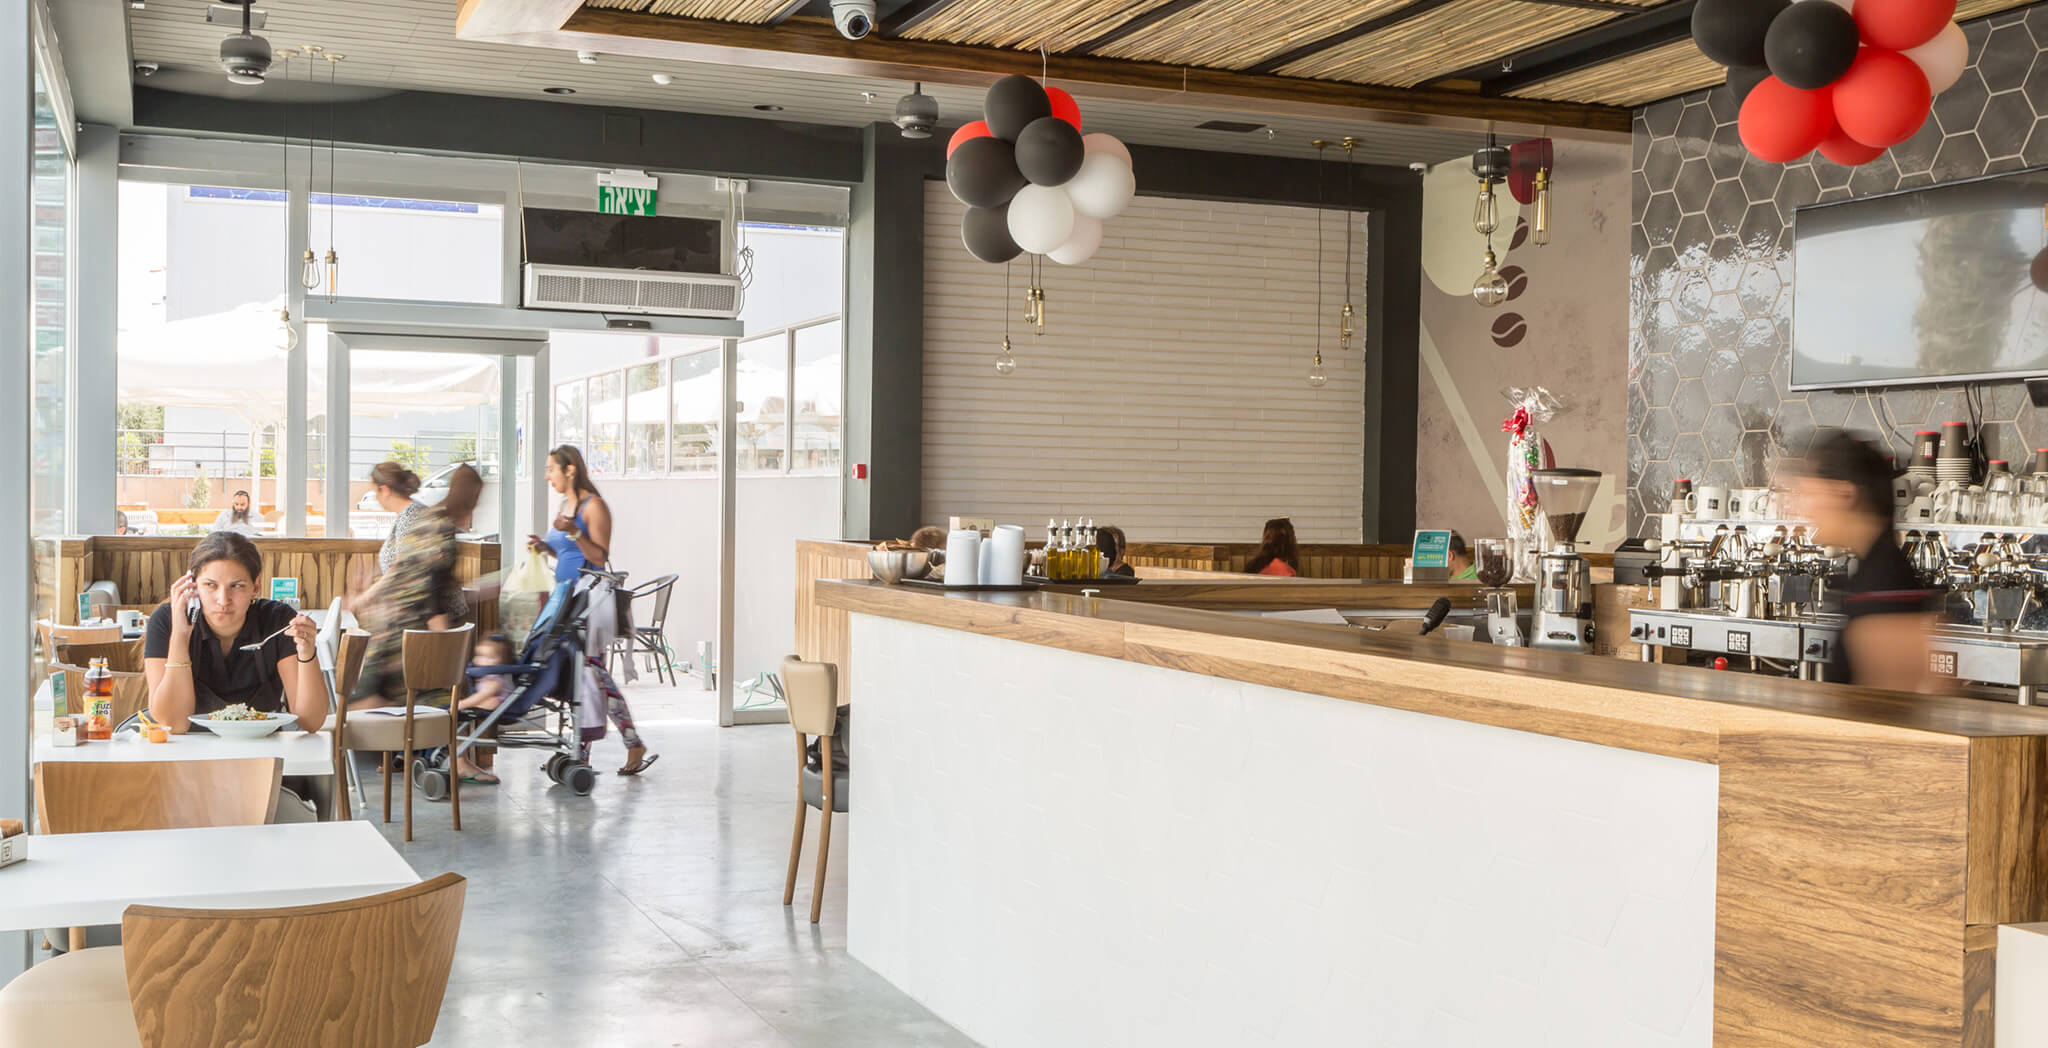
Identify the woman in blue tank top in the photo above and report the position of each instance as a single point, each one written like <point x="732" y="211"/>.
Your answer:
<point x="582" y="534"/>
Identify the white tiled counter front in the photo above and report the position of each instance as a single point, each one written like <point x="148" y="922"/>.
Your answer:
<point x="1053" y="848"/>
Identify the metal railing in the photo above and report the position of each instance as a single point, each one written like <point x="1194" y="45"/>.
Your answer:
<point x="231" y="453"/>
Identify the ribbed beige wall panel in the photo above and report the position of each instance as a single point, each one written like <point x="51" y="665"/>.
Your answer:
<point x="1169" y="394"/>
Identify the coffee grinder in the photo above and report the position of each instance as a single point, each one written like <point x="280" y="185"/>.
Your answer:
<point x="1563" y="617"/>
<point x="1494" y="565"/>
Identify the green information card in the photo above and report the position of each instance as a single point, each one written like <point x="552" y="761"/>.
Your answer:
<point x="1432" y="549"/>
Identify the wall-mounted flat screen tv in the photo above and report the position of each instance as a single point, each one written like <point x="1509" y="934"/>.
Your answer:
<point x="662" y="243"/>
<point x="1923" y="286"/>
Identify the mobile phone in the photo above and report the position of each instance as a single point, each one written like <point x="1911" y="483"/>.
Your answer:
<point x="192" y="610"/>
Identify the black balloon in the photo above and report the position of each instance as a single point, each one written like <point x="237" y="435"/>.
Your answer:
<point x="1811" y="45"/>
<point x="986" y="232"/>
<point x="1743" y="79"/>
<point x="1732" y="32"/>
<point x="1011" y="104"/>
<point x="1049" y="150"/>
<point x="982" y="172"/>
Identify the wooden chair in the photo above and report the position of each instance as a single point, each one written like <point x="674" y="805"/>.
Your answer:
<point x="200" y="978"/>
<point x="348" y="669"/>
<point x="124" y="659"/>
<point x="813" y="692"/>
<point x="117" y="796"/>
<point x="54" y="634"/>
<point x="433" y="661"/>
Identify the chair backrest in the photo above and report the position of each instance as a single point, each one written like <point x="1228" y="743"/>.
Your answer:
<point x="124" y="659"/>
<point x="123" y="656"/>
<point x="369" y="972"/>
<point x="434" y="659"/>
<point x="109" y="796"/>
<point x="55" y="634"/>
<point x="812" y="689"/>
<point x="662" y="588"/>
<point x="349" y="662"/>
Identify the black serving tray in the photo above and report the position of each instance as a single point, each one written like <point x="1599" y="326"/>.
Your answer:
<point x="1107" y="580"/>
<point x="937" y="585"/>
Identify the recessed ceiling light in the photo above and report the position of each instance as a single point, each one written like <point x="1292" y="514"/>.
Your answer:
<point x="769" y="108"/>
<point x="664" y="79"/>
<point x="587" y="57"/>
<point x="558" y="90"/>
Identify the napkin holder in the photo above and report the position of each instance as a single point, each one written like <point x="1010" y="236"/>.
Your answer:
<point x="14" y="845"/>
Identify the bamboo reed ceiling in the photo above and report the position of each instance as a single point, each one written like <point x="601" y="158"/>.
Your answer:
<point x="755" y="11"/>
<point x="1236" y="34"/>
<point x="1445" y="40"/>
<point x="1056" y="25"/>
<point x="1646" y="76"/>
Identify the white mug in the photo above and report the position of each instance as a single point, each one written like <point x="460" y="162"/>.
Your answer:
<point x="1920" y="510"/>
<point x="129" y="619"/>
<point x="1710" y="503"/>
<point x="1749" y="503"/>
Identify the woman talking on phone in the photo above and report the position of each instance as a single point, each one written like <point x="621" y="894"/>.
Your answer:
<point x="192" y="657"/>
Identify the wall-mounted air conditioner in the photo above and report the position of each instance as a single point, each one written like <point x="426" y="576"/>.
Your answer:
<point x="632" y="291"/>
<point x="669" y="265"/>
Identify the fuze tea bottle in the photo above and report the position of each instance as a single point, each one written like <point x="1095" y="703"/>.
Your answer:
<point x="99" y="700"/>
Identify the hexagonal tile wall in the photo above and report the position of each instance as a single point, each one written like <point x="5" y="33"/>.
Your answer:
<point x="1711" y="296"/>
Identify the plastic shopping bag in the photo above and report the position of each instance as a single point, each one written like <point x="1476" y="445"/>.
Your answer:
<point x="524" y="593"/>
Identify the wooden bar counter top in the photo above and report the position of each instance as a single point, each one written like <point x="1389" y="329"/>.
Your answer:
<point x="1868" y="842"/>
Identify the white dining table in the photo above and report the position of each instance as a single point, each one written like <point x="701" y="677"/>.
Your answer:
<point x="85" y="879"/>
<point x="304" y="753"/>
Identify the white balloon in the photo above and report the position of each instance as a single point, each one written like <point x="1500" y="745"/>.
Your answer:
<point x="1942" y="58"/>
<point x="1101" y="143"/>
<point x="1041" y="218"/>
<point x="1103" y="187"/>
<point x="1081" y="245"/>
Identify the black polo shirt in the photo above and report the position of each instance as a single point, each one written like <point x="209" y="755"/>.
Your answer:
<point x="224" y="678"/>
<point x="1884" y="583"/>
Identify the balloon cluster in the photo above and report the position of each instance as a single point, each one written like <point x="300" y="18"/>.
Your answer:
<point x="1851" y="78"/>
<point x="1031" y="180"/>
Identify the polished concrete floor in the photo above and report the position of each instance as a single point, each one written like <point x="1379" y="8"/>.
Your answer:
<point x="650" y="913"/>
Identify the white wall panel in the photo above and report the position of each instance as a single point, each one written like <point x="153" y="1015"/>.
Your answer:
<point x="1168" y="394"/>
<point x="1051" y="848"/>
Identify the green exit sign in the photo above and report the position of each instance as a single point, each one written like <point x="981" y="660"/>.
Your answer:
<point x="626" y="194"/>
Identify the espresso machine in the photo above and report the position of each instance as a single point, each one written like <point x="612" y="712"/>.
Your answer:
<point x="1563" y="617"/>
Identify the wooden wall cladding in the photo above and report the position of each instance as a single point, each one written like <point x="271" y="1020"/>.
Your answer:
<point x="825" y="634"/>
<point x="143" y="568"/>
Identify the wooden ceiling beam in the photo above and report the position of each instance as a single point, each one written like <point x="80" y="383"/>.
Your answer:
<point x="1365" y="28"/>
<point x="911" y="14"/>
<point x="1149" y="18"/>
<point x="788" y="11"/>
<point x="813" y="46"/>
<point x="1606" y="42"/>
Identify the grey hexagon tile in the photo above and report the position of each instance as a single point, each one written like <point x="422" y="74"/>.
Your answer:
<point x="1958" y="107"/>
<point x="1834" y="193"/>
<point x="1691" y="241"/>
<point x="1689" y="407"/>
<point x="1638" y="242"/>
<point x="1862" y="417"/>
<point x="1794" y="426"/>
<point x="1798" y="189"/>
<point x="1754" y="459"/>
<point x="1829" y="174"/>
<point x="1760" y="228"/>
<point x="2036" y="83"/>
<point x="1919" y="180"/>
<point x="1636" y="513"/>
<point x="1689" y="350"/>
<point x="1695" y="181"/>
<point x="1999" y="165"/>
<point x="1689" y="455"/>
<point x="1725" y="208"/>
<point x="1724" y="321"/>
<point x="1660" y="381"/>
<point x="1950" y="405"/>
<point x="1722" y="431"/>
<point x="2034" y="429"/>
<point x="1639" y="194"/>
<point x="2004" y="58"/>
<point x="2007" y="119"/>
<point x="1724" y="155"/>
<point x="1759" y="345"/>
<point x="2004" y="400"/>
<point x="2035" y="151"/>
<point x="1909" y="406"/>
<point x="1638" y="406"/>
<point x="1879" y="176"/>
<point x="1976" y="32"/>
<point x="1659" y="433"/>
<point x="1660" y="219"/>
<point x="1636" y="458"/>
<point x="1639" y="141"/>
<point x="1696" y="128"/>
<point x="2002" y="440"/>
<point x="1722" y="473"/>
<point x="1757" y="402"/>
<point x="1830" y="409"/>
<point x="1662" y="118"/>
<point x="1760" y="180"/>
<point x="1656" y="485"/>
<point x="1960" y="156"/>
<point x="1660" y="327"/>
<point x="1661" y="166"/>
<point x="1721" y="102"/>
<point x="1916" y="154"/>
<point x="1759" y="287"/>
<point x="2036" y="19"/>
<point x="1723" y="379"/>
<point x="1692" y="298"/>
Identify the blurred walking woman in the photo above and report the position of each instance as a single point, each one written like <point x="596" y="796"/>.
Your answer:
<point x="419" y="590"/>
<point x="394" y="486"/>
<point x="582" y="535"/>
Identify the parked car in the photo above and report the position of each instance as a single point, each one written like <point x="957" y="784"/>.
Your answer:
<point x="435" y="488"/>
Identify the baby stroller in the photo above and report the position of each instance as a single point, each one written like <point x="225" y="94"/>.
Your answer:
<point x="541" y="710"/>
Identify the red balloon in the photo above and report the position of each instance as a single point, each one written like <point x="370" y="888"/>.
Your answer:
<point x="1899" y="25"/>
<point x="1883" y="98"/>
<point x="1064" y="106"/>
<point x="1780" y="123"/>
<point x="975" y="129"/>
<point x="1846" y="151"/>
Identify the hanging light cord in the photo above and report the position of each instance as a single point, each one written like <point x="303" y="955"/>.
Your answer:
<point x="1319" y="251"/>
<point x="1349" y="197"/>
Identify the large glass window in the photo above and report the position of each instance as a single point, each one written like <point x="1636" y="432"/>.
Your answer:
<point x="432" y="412"/>
<point x="819" y="377"/>
<point x="50" y="216"/>
<point x="607" y="423"/>
<point x="762" y="416"/>
<point x="568" y="427"/>
<point x="646" y="419"/>
<point x="201" y="352"/>
<point x="694" y="390"/>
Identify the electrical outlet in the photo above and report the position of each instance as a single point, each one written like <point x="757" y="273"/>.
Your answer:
<point x="720" y="185"/>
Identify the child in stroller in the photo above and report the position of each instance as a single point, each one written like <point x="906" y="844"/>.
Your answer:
<point x="488" y="690"/>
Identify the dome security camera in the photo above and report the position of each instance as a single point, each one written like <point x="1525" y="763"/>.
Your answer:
<point x="917" y="113"/>
<point x="146" y="68"/>
<point x="245" y="57"/>
<point x="587" y="57"/>
<point x="854" y="18"/>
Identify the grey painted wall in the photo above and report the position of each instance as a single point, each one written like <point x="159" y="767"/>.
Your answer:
<point x="1710" y="285"/>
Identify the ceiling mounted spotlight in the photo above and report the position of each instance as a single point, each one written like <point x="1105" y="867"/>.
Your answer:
<point x="136" y="4"/>
<point x="664" y="79"/>
<point x="917" y="113"/>
<point x="769" y="107"/>
<point x="587" y="57"/>
<point x="558" y="90"/>
<point x="867" y="98"/>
